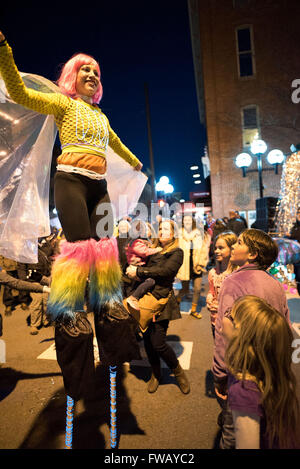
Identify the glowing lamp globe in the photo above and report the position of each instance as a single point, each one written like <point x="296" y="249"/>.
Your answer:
<point x="243" y="160"/>
<point x="169" y="189"/>
<point x="258" y="147"/>
<point x="275" y="157"/>
<point x="164" y="180"/>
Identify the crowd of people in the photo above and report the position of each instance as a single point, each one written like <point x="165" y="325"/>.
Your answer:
<point x="84" y="269"/>
<point x="249" y="314"/>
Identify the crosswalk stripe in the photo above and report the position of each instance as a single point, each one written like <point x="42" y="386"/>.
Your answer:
<point x="182" y="349"/>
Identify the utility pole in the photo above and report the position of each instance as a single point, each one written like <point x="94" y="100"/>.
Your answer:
<point x="153" y="191"/>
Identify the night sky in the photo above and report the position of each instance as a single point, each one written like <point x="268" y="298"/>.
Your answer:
<point x="134" y="42"/>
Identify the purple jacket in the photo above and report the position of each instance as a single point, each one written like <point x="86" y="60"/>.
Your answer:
<point x="247" y="280"/>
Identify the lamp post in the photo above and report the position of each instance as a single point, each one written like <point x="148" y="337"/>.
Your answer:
<point x="259" y="148"/>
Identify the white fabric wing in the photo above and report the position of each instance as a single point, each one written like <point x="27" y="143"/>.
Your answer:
<point x="26" y="144"/>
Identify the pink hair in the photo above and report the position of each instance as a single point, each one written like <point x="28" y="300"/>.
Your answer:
<point x="67" y="79"/>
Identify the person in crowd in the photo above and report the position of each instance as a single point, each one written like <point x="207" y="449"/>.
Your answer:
<point x="253" y="253"/>
<point x="210" y="222"/>
<point x="123" y="239"/>
<point x="162" y="267"/>
<point x="20" y="285"/>
<point x="262" y="391"/>
<point x="239" y="217"/>
<point x="24" y="285"/>
<point x="156" y="222"/>
<point x="49" y="245"/>
<point x="295" y="234"/>
<point x="196" y="255"/>
<point x="235" y="224"/>
<point x="80" y="186"/>
<point x="138" y="251"/>
<point x="39" y="272"/>
<point x="219" y="227"/>
<point x="223" y="243"/>
<point x="12" y="297"/>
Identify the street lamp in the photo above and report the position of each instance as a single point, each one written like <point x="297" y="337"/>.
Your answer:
<point x="258" y="148"/>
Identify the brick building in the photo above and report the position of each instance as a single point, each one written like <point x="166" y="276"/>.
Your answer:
<point x="246" y="58"/>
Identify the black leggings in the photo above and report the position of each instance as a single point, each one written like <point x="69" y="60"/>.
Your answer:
<point x="156" y="346"/>
<point x="76" y="201"/>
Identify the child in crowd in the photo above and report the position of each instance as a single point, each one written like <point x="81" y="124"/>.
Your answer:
<point x="217" y="275"/>
<point x="253" y="253"/>
<point x="261" y="384"/>
<point x="137" y="252"/>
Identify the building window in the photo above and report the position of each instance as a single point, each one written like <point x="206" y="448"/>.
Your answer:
<point x="250" y="125"/>
<point x="245" y="51"/>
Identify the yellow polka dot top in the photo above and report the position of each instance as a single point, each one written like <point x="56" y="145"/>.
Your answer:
<point x="84" y="130"/>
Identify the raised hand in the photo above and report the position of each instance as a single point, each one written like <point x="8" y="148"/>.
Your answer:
<point x="138" y="167"/>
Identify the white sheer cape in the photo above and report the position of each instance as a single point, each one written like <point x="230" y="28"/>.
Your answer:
<point x="26" y="144"/>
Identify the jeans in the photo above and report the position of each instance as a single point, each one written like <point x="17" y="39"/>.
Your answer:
<point x="156" y="346"/>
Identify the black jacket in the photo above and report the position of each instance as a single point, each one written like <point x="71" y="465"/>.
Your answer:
<point x="163" y="269"/>
<point x="295" y="231"/>
<point x="17" y="284"/>
<point x="35" y="272"/>
<point x="236" y="225"/>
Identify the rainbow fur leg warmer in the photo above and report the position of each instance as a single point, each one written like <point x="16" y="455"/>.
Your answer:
<point x="69" y="277"/>
<point x="105" y="274"/>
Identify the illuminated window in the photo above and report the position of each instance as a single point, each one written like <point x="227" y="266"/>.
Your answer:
<point x="250" y="125"/>
<point x="245" y="51"/>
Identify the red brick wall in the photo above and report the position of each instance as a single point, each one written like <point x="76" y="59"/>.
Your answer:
<point x="277" y="51"/>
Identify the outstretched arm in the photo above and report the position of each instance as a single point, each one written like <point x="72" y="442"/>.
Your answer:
<point x="17" y="284"/>
<point x="45" y="103"/>
<point x="123" y="151"/>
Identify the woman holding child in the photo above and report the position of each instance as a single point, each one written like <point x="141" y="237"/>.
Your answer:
<point x="161" y="304"/>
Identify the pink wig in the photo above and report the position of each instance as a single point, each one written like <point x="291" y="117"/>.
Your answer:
<point x="67" y="79"/>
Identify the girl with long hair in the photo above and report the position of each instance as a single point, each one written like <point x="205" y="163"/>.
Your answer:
<point x="261" y="383"/>
<point x="216" y="276"/>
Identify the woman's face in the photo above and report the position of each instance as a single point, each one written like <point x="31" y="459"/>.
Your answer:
<point x="188" y="223"/>
<point x="222" y="251"/>
<point x="123" y="226"/>
<point x="87" y="80"/>
<point x="165" y="233"/>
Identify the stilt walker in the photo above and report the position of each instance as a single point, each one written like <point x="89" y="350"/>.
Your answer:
<point x="69" y="422"/>
<point x="88" y="258"/>
<point x="113" y="406"/>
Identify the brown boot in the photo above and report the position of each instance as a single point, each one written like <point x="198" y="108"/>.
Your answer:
<point x="155" y="378"/>
<point x="181" y="379"/>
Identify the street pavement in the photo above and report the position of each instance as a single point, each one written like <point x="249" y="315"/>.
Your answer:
<point x="33" y="400"/>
